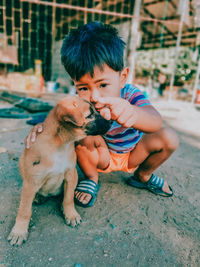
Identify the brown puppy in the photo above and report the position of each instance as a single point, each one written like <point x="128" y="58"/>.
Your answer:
<point x="51" y="160"/>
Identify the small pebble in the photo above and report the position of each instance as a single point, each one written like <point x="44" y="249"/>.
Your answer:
<point x="105" y="253"/>
<point x="135" y="234"/>
<point x="162" y="252"/>
<point x="126" y="232"/>
<point x="112" y="226"/>
<point x="99" y="238"/>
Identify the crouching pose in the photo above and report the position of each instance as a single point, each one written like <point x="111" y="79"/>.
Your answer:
<point x="136" y="142"/>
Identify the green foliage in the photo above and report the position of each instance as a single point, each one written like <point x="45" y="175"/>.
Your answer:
<point x="149" y="62"/>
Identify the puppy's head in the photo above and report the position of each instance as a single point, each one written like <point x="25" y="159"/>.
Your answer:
<point x="71" y="110"/>
<point x="75" y="113"/>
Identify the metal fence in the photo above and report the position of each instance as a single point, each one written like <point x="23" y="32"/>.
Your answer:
<point x="34" y="29"/>
<point x="37" y="28"/>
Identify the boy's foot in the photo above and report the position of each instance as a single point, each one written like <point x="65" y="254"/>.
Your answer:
<point x="86" y="192"/>
<point x="155" y="184"/>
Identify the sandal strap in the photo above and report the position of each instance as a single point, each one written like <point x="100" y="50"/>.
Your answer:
<point x="155" y="182"/>
<point x="87" y="186"/>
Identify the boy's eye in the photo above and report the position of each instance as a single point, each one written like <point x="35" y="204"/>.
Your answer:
<point x="83" y="89"/>
<point x="103" y="85"/>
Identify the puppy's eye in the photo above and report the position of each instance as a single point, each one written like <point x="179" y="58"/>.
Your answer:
<point x="89" y="116"/>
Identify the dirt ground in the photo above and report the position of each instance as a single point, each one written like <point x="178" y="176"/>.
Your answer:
<point x="126" y="226"/>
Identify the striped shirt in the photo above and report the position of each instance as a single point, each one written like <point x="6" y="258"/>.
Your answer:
<point x="120" y="139"/>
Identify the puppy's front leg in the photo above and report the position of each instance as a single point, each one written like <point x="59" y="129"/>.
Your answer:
<point x="19" y="232"/>
<point x="71" y="215"/>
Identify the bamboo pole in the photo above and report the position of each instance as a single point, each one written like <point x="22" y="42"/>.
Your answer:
<point x="196" y="82"/>
<point x="53" y="36"/>
<point x="178" y="41"/>
<point x="133" y="41"/>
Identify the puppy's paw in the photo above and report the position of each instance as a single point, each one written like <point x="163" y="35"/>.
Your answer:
<point x="16" y="238"/>
<point x="72" y="218"/>
<point x="74" y="221"/>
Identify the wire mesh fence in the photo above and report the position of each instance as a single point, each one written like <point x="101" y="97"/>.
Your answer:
<point x="37" y="28"/>
<point x="34" y="29"/>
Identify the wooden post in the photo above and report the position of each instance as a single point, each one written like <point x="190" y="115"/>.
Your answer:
<point x="53" y="37"/>
<point x="134" y="40"/>
<point x="196" y="82"/>
<point x="177" y="50"/>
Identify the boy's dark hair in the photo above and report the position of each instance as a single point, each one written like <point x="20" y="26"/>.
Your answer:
<point x="93" y="44"/>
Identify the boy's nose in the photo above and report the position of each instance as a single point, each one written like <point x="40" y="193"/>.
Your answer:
<point x="94" y="96"/>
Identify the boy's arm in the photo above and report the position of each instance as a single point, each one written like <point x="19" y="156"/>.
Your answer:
<point x="146" y="118"/>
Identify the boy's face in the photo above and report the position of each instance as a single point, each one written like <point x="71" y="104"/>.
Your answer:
<point x="105" y="82"/>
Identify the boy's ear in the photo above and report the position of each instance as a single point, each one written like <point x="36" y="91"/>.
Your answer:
<point x="124" y="76"/>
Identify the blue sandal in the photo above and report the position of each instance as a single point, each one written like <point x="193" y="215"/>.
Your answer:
<point x="155" y="185"/>
<point x="90" y="187"/>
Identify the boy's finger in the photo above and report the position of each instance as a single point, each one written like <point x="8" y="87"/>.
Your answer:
<point x="105" y="112"/>
<point x="39" y="129"/>
<point x="27" y="142"/>
<point x="99" y="105"/>
<point x="107" y="100"/>
<point x="33" y="136"/>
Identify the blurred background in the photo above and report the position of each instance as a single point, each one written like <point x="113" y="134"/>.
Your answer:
<point x="162" y="36"/>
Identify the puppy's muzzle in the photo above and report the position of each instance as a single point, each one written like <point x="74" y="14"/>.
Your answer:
<point x="99" y="125"/>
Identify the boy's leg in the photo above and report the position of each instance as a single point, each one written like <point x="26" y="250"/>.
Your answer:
<point x="92" y="153"/>
<point x="152" y="150"/>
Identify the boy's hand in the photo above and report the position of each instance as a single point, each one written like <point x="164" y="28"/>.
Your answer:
<point x="31" y="137"/>
<point x="117" y="109"/>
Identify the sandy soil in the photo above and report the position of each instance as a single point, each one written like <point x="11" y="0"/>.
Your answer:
<point x="126" y="226"/>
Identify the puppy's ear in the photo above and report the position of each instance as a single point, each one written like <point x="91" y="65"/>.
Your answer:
<point x="70" y="113"/>
<point x="75" y="118"/>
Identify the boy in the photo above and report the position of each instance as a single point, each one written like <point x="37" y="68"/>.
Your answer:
<point x="136" y="143"/>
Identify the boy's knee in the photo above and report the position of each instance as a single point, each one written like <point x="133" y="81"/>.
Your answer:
<point x="170" y="139"/>
<point x="89" y="143"/>
<point x="84" y="145"/>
